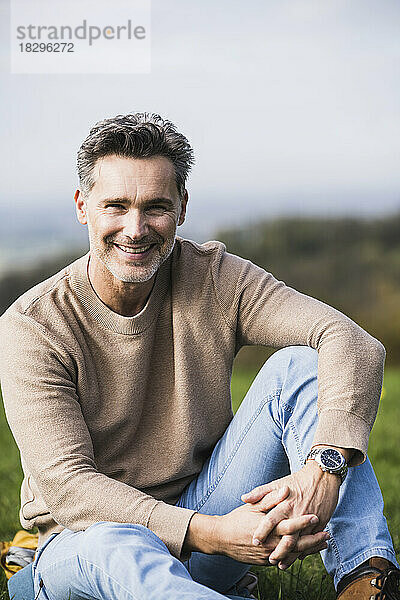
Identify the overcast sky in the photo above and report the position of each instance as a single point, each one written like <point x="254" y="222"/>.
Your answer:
<point x="292" y="106"/>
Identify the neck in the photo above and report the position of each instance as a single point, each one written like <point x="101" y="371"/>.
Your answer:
<point x="126" y="299"/>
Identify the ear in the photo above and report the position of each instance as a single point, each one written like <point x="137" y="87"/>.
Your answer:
<point x="184" y="202"/>
<point x="80" y="205"/>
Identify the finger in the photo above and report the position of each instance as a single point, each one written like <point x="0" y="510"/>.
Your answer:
<point x="273" y="498"/>
<point x="284" y="548"/>
<point x="314" y="550"/>
<point x="307" y="542"/>
<point x="258" y="492"/>
<point x="269" y="522"/>
<point x="289" y="560"/>
<point x="296" y="524"/>
<point x="304" y="543"/>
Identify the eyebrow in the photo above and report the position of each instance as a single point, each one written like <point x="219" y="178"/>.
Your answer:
<point x="125" y="200"/>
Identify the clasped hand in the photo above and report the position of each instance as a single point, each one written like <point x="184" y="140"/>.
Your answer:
<point x="295" y="511"/>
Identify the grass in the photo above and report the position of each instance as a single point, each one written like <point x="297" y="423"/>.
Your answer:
<point x="303" y="580"/>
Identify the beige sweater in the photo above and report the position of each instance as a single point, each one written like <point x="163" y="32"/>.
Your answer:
<point x="115" y="415"/>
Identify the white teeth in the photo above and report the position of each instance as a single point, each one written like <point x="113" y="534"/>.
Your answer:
<point x="130" y="250"/>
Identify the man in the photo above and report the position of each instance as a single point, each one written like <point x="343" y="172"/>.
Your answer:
<point x="116" y="382"/>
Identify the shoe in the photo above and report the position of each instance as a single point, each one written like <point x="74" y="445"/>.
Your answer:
<point x="376" y="579"/>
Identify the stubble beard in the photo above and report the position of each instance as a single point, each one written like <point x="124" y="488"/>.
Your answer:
<point x="134" y="273"/>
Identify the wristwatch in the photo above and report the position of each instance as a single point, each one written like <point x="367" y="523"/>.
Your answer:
<point x="330" y="460"/>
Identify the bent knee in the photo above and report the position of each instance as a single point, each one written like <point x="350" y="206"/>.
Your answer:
<point x="299" y="358"/>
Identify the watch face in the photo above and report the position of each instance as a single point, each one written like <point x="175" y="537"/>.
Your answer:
<point x="331" y="459"/>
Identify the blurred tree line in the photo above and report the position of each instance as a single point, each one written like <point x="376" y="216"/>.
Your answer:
<point x="352" y="264"/>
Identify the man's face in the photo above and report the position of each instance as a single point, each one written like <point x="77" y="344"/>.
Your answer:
<point x="132" y="213"/>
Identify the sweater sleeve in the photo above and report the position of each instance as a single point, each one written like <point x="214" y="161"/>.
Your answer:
<point x="43" y="410"/>
<point x="264" y="311"/>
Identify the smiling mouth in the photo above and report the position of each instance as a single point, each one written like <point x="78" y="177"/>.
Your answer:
<point x="134" y="250"/>
<point x="138" y="251"/>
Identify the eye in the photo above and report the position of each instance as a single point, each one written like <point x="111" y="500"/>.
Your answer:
<point x="156" y="209"/>
<point x="115" y="205"/>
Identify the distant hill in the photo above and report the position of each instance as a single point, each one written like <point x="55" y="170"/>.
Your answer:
<point x="351" y="264"/>
<point x="30" y="233"/>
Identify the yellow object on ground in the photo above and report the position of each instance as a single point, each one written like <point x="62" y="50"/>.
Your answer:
<point x="23" y="539"/>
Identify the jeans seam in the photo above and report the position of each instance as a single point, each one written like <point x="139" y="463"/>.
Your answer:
<point x="298" y="445"/>
<point x="335" y="548"/>
<point x="228" y="461"/>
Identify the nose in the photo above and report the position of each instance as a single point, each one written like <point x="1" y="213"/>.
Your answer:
<point x="135" y="226"/>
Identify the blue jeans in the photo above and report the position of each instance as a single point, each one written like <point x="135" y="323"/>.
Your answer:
<point x="268" y="438"/>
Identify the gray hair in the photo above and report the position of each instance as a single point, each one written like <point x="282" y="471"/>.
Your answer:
<point x="136" y="135"/>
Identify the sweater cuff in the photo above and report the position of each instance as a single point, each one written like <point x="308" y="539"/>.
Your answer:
<point x="343" y="430"/>
<point x="170" y="524"/>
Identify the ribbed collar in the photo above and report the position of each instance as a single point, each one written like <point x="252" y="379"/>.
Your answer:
<point x="108" y="318"/>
